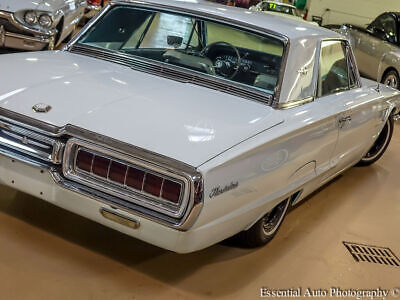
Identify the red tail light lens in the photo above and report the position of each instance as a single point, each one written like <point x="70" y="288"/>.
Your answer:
<point x="84" y="160"/>
<point x="100" y="166"/>
<point x="152" y="184"/>
<point x="171" y="191"/>
<point x="117" y="172"/>
<point x="128" y="176"/>
<point x="134" y="178"/>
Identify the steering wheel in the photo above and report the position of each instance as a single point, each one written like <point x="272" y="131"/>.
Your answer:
<point x="224" y="65"/>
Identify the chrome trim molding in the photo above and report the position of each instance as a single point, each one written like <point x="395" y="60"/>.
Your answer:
<point x="116" y="217"/>
<point x="122" y="191"/>
<point x="293" y="104"/>
<point x="182" y="224"/>
<point x="30" y="143"/>
<point x="175" y="73"/>
<point x="170" y="167"/>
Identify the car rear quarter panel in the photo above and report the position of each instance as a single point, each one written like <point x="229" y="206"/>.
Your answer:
<point x="294" y="156"/>
<point x="268" y="168"/>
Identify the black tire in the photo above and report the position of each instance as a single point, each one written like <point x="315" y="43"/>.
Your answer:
<point x="265" y="229"/>
<point x="380" y="145"/>
<point x="391" y="79"/>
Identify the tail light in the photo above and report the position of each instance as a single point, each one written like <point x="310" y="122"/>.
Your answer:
<point x="131" y="177"/>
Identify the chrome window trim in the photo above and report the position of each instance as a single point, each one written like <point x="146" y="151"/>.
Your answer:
<point x="293" y="104"/>
<point x="270" y="99"/>
<point x="351" y="54"/>
<point x="158" y="204"/>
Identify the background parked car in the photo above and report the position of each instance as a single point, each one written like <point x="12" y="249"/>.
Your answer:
<point x="276" y="7"/>
<point x="377" y="48"/>
<point x="38" y="25"/>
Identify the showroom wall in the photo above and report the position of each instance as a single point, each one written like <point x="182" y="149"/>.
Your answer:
<point x="357" y="12"/>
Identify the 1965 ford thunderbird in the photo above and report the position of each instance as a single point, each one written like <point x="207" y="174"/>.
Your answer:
<point x="183" y="123"/>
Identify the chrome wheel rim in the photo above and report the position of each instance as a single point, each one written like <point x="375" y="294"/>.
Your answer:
<point x="392" y="81"/>
<point x="273" y="219"/>
<point x="380" y="143"/>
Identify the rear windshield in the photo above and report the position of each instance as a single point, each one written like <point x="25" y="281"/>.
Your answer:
<point x="191" y="43"/>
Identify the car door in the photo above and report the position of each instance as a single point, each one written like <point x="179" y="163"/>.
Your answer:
<point x="353" y="107"/>
<point x="370" y="48"/>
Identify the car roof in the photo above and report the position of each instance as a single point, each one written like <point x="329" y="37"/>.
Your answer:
<point x="290" y="28"/>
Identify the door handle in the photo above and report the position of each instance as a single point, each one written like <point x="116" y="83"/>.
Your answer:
<point x="344" y="120"/>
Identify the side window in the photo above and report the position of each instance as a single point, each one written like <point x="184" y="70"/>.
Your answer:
<point x="384" y="27"/>
<point x="333" y="68"/>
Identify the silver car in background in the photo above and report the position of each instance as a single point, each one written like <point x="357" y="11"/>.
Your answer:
<point x="377" y="48"/>
<point x="38" y="25"/>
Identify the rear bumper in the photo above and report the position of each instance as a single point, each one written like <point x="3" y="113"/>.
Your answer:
<point x="38" y="182"/>
<point x="16" y="36"/>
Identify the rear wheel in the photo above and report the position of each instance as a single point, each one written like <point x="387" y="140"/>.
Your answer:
<point x="392" y="79"/>
<point x="265" y="229"/>
<point x="380" y="145"/>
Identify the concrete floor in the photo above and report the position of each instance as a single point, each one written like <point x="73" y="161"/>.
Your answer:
<point x="48" y="253"/>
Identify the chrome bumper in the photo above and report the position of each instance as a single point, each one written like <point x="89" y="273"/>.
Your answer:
<point x="24" y="38"/>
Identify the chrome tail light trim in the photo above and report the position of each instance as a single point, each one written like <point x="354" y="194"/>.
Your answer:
<point x="194" y="178"/>
<point x="122" y="191"/>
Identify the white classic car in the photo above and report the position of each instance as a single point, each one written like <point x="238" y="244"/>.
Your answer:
<point x="36" y="25"/>
<point x="183" y="123"/>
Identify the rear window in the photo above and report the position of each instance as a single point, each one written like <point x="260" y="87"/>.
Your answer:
<point x="188" y="42"/>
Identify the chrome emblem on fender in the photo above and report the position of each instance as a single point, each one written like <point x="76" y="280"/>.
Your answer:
<point x="41" y="108"/>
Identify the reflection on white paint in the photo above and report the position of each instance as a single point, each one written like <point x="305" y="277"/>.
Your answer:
<point x="5" y="96"/>
<point x="200" y="134"/>
<point x="118" y="81"/>
<point x="32" y="59"/>
<point x="301" y="113"/>
<point x="254" y="121"/>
